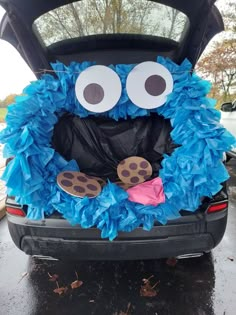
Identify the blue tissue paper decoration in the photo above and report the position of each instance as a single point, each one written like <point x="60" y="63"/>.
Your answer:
<point x="194" y="170"/>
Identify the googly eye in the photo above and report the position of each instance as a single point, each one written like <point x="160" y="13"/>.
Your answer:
<point x="148" y="85"/>
<point x="98" y="89"/>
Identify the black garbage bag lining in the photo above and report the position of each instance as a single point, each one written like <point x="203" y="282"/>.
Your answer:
<point x="98" y="144"/>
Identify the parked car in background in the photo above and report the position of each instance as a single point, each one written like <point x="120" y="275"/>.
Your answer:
<point x="228" y="120"/>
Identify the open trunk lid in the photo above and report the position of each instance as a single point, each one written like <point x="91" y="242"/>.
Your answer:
<point x="197" y="21"/>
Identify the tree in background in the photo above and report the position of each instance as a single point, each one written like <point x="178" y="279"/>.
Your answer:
<point x="219" y="65"/>
<point x="8" y="100"/>
<point x="229" y="15"/>
<point x="88" y="17"/>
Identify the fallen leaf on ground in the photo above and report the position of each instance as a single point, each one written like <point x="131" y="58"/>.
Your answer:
<point x="147" y="289"/>
<point x="60" y="290"/>
<point x="53" y="277"/>
<point x="76" y="284"/>
<point x="127" y="311"/>
<point x="147" y="280"/>
<point x="171" y="261"/>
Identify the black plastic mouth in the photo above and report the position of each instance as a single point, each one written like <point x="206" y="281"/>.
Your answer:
<point x="98" y="144"/>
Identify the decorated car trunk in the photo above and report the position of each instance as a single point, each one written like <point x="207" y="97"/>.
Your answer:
<point x="116" y="145"/>
<point x="127" y="144"/>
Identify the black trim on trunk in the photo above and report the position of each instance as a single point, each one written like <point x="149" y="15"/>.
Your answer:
<point x="205" y="22"/>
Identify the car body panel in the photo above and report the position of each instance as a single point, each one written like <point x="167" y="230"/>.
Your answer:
<point x="191" y="233"/>
<point x="57" y="239"/>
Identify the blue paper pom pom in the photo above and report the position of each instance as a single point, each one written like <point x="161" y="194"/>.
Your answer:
<point x="194" y="170"/>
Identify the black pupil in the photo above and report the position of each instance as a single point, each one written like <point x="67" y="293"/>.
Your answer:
<point x="93" y="93"/>
<point x="155" y="85"/>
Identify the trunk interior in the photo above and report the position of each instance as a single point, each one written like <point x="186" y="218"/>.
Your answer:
<point x="98" y="144"/>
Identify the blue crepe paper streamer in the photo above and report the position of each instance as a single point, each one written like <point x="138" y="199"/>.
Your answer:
<point x="193" y="171"/>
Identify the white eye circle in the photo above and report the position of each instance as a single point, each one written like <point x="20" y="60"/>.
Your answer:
<point x="148" y="85"/>
<point x="98" y="89"/>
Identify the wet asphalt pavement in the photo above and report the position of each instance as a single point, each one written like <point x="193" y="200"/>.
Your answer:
<point x="199" y="286"/>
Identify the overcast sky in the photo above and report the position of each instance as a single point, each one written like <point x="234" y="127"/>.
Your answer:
<point x="14" y="72"/>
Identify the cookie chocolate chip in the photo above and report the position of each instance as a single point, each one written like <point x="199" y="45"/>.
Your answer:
<point x="134" y="170"/>
<point x="79" y="184"/>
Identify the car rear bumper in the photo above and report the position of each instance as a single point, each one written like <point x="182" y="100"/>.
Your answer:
<point x="56" y="238"/>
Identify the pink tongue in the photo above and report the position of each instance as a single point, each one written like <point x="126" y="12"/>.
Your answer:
<point x="148" y="193"/>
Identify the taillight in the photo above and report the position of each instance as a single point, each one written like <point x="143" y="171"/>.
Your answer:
<point x="217" y="207"/>
<point x="15" y="211"/>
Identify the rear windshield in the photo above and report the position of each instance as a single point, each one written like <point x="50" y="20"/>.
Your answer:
<point x="90" y="17"/>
